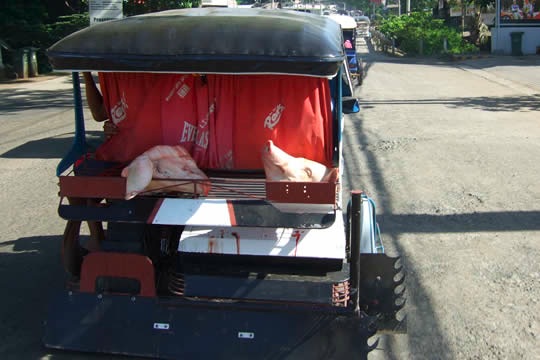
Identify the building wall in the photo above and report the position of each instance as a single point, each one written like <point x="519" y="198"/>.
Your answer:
<point x="501" y="41"/>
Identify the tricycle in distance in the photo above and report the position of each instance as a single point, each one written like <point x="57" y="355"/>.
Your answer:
<point x="349" y="30"/>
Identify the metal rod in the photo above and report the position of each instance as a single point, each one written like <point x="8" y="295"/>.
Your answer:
<point x="79" y="142"/>
<point x="355" y="218"/>
<point x="80" y="137"/>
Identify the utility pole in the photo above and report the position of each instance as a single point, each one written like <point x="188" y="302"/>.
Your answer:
<point x="463" y="9"/>
<point x="495" y="39"/>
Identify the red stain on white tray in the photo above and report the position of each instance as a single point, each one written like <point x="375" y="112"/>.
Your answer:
<point x="211" y="244"/>
<point x="296" y="234"/>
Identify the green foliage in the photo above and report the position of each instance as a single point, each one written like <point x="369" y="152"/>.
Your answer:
<point x="66" y="25"/>
<point x="136" y="7"/>
<point x="421" y="5"/>
<point x="21" y="23"/>
<point x="416" y="5"/>
<point x="364" y="5"/>
<point x="420" y="27"/>
<point x="40" y="24"/>
<point x="482" y="4"/>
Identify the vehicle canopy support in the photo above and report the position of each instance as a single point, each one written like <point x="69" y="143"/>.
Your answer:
<point x="79" y="143"/>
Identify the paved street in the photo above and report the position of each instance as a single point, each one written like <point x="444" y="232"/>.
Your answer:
<point x="518" y="72"/>
<point x="514" y="71"/>
<point x="449" y="152"/>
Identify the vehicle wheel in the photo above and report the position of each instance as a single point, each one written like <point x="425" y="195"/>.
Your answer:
<point x="72" y="251"/>
<point x="359" y="79"/>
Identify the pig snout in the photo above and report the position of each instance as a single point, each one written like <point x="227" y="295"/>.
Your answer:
<point x="138" y="175"/>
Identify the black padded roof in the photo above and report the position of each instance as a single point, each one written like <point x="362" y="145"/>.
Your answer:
<point x="206" y="40"/>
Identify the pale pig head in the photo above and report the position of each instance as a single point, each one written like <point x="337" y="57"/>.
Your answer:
<point x="280" y="166"/>
<point x="138" y="175"/>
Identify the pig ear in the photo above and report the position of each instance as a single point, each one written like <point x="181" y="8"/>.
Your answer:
<point x="124" y="172"/>
<point x="332" y="176"/>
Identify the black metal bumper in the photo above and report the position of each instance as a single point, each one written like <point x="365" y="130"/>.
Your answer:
<point x="172" y="328"/>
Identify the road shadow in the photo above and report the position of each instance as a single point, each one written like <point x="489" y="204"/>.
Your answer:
<point x="15" y="100"/>
<point x="31" y="271"/>
<point x="394" y="225"/>
<point x="52" y="147"/>
<point x="484" y="103"/>
<point x="416" y="293"/>
<point x="37" y="79"/>
<point x="31" y="274"/>
<point x="461" y="223"/>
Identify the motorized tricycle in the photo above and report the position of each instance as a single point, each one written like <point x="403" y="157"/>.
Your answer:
<point x="349" y="29"/>
<point x="255" y="257"/>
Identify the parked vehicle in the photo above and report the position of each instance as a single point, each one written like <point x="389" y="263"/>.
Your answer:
<point x="248" y="263"/>
<point x="362" y="26"/>
<point x="348" y="27"/>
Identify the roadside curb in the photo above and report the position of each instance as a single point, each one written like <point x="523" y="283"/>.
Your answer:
<point x="447" y="57"/>
<point x="468" y="57"/>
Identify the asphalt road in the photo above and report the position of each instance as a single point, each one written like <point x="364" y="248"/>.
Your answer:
<point x="449" y="151"/>
<point x="36" y="130"/>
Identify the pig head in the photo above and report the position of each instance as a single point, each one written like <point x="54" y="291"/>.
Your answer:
<point x="138" y="175"/>
<point x="280" y="166"/>
<point x="149" y="172"/>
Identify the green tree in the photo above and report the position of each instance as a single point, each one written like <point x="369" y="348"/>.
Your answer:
<point x="364" y="5"/>
<point x="40" y="23"/>
<point x="410" y="30"/>
<point x="21" y="23"/>
<point x="136" y="7"/>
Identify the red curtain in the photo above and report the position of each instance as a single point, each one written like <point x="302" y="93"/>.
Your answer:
<point x="222" y="120"/>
